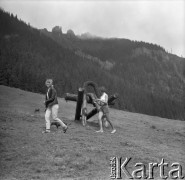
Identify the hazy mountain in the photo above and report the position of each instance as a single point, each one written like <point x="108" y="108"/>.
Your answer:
<point x="88" y="35"/>
<point x="148" y="79"/>
<point x="142" y="64"/>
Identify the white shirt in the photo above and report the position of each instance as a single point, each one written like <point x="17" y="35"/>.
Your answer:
<point x="104" y="98"/>
<point x="48" y="93"/>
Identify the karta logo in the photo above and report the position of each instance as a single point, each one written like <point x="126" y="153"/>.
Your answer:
<point x="119" y="169"/>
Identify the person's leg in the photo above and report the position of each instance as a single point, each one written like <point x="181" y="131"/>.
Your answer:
<point x="100" y="115"/>
<point x="105" y="122"/>
<point x="108" y="119"/>
<point x="47" y="119"/>
<point x="55" y="115"/>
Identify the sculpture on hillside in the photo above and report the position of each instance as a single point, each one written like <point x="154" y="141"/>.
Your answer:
<point x="83" y="98"/>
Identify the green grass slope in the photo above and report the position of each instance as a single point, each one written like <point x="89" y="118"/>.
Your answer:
<point x="81" y="153"/>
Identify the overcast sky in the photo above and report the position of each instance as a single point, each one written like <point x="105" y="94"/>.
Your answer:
<point x="155" y="21"/>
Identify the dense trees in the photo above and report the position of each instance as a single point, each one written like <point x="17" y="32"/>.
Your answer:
<point x="146" y="78"/>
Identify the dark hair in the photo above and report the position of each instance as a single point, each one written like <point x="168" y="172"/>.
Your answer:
<point x="102" y="89"/>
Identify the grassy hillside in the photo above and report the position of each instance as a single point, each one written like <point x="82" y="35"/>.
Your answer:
<point x="81" y="153"/>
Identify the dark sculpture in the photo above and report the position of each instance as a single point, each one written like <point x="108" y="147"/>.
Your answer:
<point x="83" y="98"/>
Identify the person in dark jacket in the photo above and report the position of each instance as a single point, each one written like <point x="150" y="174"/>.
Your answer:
<point x="51" y="104"/>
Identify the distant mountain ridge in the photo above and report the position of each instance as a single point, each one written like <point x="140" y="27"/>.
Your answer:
<point x="119" y="55"/>
<point x="147" y="78"/>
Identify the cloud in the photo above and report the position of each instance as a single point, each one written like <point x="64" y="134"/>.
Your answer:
<point x="159" y="22"/>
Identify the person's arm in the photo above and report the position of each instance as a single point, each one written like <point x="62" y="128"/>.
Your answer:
<point x="103" y="100"/>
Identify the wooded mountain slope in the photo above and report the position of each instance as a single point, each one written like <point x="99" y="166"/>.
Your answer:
<point x="147" y="78"/>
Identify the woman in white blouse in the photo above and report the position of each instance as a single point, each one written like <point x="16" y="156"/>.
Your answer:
<point x="104" y="110"/>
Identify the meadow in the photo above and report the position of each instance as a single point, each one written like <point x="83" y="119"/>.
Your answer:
<point x="80" y="153"/>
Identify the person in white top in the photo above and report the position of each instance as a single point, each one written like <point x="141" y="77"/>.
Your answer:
<point x="104" y="110"/>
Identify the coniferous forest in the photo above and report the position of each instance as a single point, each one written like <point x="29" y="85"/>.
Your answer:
<point x="147" y="78"/>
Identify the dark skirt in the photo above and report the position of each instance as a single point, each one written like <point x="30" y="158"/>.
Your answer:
<point x="105" y="109"/>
